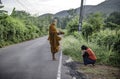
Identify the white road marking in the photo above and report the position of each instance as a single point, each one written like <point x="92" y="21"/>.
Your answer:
<point x="59" y="67"/>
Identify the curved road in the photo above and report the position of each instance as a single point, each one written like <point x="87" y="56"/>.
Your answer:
<point x="30" y="60"/>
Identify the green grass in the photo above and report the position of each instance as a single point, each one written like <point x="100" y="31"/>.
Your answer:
<point x="72" y="43"/>
<point x="71" y="47"/>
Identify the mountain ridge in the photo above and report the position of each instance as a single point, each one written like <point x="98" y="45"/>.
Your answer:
<point x="106" y="7"/>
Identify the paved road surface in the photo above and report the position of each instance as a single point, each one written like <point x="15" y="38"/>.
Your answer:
<point x="30" y="60"/>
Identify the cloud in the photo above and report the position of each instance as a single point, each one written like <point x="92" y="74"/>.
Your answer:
<point x="45" y="6"/>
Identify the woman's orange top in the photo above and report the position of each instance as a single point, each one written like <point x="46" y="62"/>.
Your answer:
<point x="91" y="54"/>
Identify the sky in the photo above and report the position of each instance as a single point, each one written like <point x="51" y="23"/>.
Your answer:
<point x="40" y="7"/>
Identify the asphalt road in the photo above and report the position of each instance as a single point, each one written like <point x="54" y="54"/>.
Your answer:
<point x="30" y="60"/>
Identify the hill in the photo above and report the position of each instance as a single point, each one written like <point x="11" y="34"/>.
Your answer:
<point x="105" y="7"/>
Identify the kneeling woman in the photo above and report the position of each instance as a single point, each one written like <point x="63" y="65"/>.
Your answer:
<point x="88" y="55"/>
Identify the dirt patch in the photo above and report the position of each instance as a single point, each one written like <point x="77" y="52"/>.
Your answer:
<point x="79" y="71"/>
<point x="100" y="72"/>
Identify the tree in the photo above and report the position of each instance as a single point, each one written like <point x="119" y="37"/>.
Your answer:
<point x="87" y="29"/>
<point x="113" y="21"/>
<point x="71" y="12"/>
<point x="1" y="6"/>
<point x="96" y="20"/>
<point x="114" y="18"/>
<point x="72" y="25"/>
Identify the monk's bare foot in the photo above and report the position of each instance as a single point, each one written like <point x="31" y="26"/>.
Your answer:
<point x="54" y="59"/>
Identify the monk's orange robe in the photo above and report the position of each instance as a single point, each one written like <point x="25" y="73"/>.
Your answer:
<point x="54" y="38"/>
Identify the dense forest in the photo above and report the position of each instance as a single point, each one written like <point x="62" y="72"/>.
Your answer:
<point x="21" y="26"/>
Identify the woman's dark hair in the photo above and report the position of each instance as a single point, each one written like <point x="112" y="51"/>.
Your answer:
<point x="83" y="47"/>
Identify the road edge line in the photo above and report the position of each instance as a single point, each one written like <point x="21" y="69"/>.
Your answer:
<point x="59" y="67"/>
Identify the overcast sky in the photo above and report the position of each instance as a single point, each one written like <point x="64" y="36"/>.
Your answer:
<point x="45" y="6"/>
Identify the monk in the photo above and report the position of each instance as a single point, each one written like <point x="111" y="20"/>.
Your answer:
<point x="54" y="39"/>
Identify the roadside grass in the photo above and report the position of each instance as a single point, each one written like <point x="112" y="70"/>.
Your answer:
<point x="72" y="47"/>
<point x="106" y="59"/>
